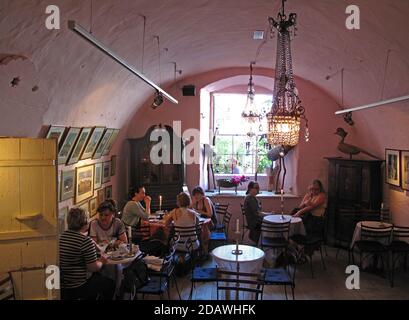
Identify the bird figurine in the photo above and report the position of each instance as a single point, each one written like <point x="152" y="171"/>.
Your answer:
<point x="348" y="148"/>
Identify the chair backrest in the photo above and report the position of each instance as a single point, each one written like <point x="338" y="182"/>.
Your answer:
<point x="141" y="232"/>
<point x="243" y="214"/>
<point x="238" y="282"/>
<point x="276" y="229"/>
<point x="400" y="232"/>
<point x="221" y="210"/>
<point x="226" y="221"/>
<point x="190" y="233"/>
<point x="382" y="235"/>
<point x="6" y="287"/>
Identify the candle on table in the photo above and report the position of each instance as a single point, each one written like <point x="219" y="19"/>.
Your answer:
<point x="282" y="195"/>
<point x="129" y="233"/>
<point x="237" y="225"/>
<point x="160" y="203"/>
<point x="382" y="206"/>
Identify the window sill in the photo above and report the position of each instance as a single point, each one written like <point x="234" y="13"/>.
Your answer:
<point x="242" y="193"/>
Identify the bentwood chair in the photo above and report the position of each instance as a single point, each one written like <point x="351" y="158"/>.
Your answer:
<point x="398" y="247"/>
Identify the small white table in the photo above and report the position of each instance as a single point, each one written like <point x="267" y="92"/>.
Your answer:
<point x="296" y="226"/>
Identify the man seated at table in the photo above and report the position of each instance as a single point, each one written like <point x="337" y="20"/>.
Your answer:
<point x="134" y="211"/>
<point x="78" y="258"/>
<point x="252" y="211"/>
<point x="106" y="227"/>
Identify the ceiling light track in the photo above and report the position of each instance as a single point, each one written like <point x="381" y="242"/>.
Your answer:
<point x="96" y="43"/>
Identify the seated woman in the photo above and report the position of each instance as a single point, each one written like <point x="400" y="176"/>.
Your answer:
<point x="133" y="211"/>
<point x="78" y="257"/>
<point x="252" y="211"/>
<point x="203" y="205"/>
<point x="106" y="227"/>
<point x="182" y="216"/>
<point x="312" y="208"/>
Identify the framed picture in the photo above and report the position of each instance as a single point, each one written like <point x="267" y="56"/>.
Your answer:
<point x="111" y="142"/>
<point x="93" y="143"/>
<point x="84" y="206"/>
<point x="67" y="185"/>
<point x="103" y="143"/>
<point x="56" y="132"/>
<point x="113" y="165"/>
<point x="101" y="195"/>
<point x="392" y="167"/>
<point x="84" y="183"/>
<point x="106" y="172"/>
<point x="404" y="164"/>
<point x="62" y="219"/>
<point x="98" y="176"/>
<point x="108" y="192"/>
<point x="79" y="146"/>
<point x="68" y="145"/>
<point x="93" y="205"/>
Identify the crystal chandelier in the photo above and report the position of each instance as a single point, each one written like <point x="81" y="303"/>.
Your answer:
<point x="250" y="113"/>
<point x="284" y="119"/>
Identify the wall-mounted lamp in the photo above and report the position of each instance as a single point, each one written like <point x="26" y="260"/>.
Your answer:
<point x="96" y="43"/>
<point x="158" y="100"/>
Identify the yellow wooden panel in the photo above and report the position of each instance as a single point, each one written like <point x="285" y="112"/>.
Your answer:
<point x="33" y="253"/>
<point x="9" y="149"/>
<point x="32" y="149"/>
<point x="9" y="199"/>
<point x="50" y="149"/>
<point x="50" y="195"/>
<point x="31" y="192"/>
<point x="34" y="285"/>
<point x="10" y="256"/>
<point x="18" y="281"/>
<point x="51" y="251"/>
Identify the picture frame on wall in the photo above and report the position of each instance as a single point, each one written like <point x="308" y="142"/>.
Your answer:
<point x="113" y="165"/>
<point x="111" y="142"/>
<point x="56" y="132"/>
<point x="67" y="187"/>
<point x="85" y="207"/>
<point x="68" y="144"/>
<point x="93" y="142"/>
<point x="93" y="205"/>
<point x="102" y="145"/>
<point x="84" y="183"/>
<point x="404" y="164"/>
<point x="98" y="176"/>
<point x="108" y="192"/>
<point x="79" y="146"/>
<point x="62" y="219"/>
<point x="101" y="195"/>
<point x="106" y="172"/>
<point x="392" y="168"/>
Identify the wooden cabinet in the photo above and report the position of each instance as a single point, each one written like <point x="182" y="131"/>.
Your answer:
<point x="354" y="194"/>
<point x="165" y="178"/>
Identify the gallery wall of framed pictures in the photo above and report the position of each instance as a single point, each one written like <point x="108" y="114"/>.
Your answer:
<point x="84" y="184"/>
<point x="397" y="168"/>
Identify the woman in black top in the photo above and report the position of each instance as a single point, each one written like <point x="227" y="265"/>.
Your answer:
<point x="252" y="211"/>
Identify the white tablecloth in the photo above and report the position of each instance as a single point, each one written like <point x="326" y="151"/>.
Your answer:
<point x="296" y="226"/>
<point x="371" y="224"/>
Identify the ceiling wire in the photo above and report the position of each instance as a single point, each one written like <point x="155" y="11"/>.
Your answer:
<point x="91" y="18"/>
<point x="385" y="73"/>
<point x="143" y="40"/>
<point x="160" y="74"/>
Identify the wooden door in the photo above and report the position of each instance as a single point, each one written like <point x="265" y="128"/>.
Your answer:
<point x="28" y="213"/>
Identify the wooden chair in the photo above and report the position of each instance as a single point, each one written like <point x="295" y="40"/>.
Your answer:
<point x="141" y="233"/>
<point x="6" y="287"/>
<point x="240" y="282"/>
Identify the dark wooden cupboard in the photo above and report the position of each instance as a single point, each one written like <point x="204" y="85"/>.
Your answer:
<point x="354" y="194"/>
<point x="165" y="179"/>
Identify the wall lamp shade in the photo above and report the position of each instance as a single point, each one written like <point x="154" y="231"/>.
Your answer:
<point x="96" y="43"/>
<point x="158" y="100"/>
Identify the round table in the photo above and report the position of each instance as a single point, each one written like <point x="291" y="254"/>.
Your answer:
<point x="296" y="226"/>
<point x="371" y="224"/>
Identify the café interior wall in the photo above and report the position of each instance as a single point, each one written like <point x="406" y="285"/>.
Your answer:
<point x="304" y="163"/>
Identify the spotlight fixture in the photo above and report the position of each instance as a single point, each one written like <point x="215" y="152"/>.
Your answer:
<point x="158" y="100"/>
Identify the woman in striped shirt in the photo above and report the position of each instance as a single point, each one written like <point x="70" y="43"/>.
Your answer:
<point x="78" y="258"/>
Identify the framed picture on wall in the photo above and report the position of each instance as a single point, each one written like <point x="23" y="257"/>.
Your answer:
<point x="93" y="205"/>
<point x="103" y="143"/>
<point x="62" y="219"/>
<point x="106" y="172"/>
<point x="93" y="141"/>
<point x="67" y="187"/>
<point x="101" y="195"/>
<point x="84" y="206"/>
<point x="404" y="165"/>
<point x="84" y="183"/>
<point x="113" y="165"/>
<point x="392" y="171"/>
<point x="111" y="142"/>
<point x="68" y="144"/>
<point x="98" y="176"/>
<point x="79" y="146"/>
<point x="108" y="192"/>
<point x="56" y="132"/>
